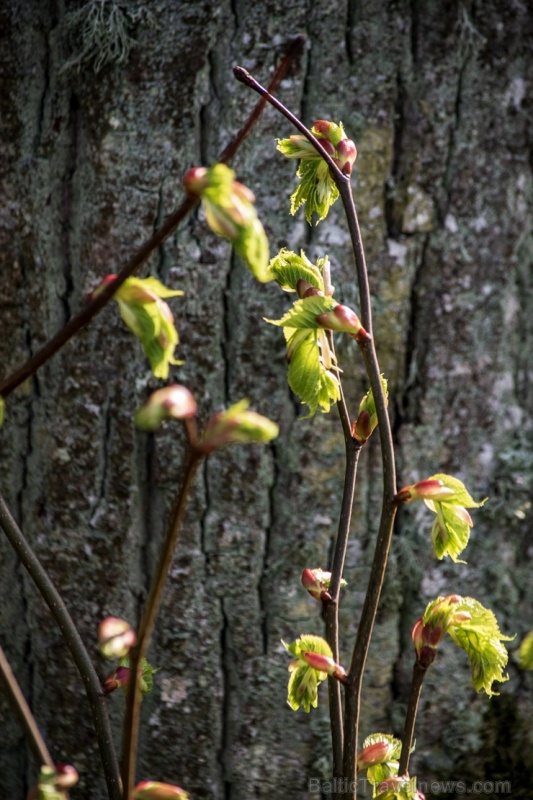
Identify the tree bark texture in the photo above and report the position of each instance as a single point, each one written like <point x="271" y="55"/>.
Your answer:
<point x="98" y="126"/>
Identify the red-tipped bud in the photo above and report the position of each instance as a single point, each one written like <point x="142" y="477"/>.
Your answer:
<point x="322" y="126"/>
<point x="343" y="319"/>
<point x="328" y="147"/>
<point x="174" y="402"/>
<point x="302" y="286"/>
<point x="117" y="680"/>
<point x="426" y="639"/>
<point x="346" y="153"/>
<point x="362" y="427"/>
<point x="425" y="490"/>
<point x="316" y="582"/>
<point x="237" y="424"/>
<point x="115" y="637"/>
<point x="376" y="753"/>
<point x="195" y="180"/>
<point x="312" y="291"/>
<point x="153" y="790"/>
<point x="66" y="777"/>
<point x="324" y="664"/>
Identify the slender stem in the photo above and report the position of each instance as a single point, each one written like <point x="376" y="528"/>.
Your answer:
<point x="419" y="673"/>
<point x="74" y="642"/>
<point x="22" y="710"/>
<point x="10" y="383"/>
<point x="354" y="682"/>
<point x="353" y="450"/>
<point x="132" y="716"/>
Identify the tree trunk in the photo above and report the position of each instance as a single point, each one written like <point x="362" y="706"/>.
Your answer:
<point x="104" y="106"/>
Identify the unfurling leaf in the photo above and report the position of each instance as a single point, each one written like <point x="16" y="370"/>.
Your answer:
<point x="288" y="268"/>
<point x="380" y="757"/>
<point x="149" y="318"/>
<point x="317" y="189"/>
<point x="172" y="402"/>
<point x="237" y="425"/>
<point x="449" y="499"/>
<point x="367" y="418"/>
<point x="230" y="213"/>
<point x="473" y="628"/>
<point x="304" y="680"/>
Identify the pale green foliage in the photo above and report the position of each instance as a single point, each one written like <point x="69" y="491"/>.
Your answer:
<point x="304" y="680"/>
<point x="316" y="188"/>
<point x="150" y="319"/>
<point x="230" y="213"/>
<point x="147" y="673"/>
<point x="385" y="751"/>
<point x="237" y="425"/>
<point x="311" y="360"/>
<point x="525" y="652"/>
<point x="450" y="532"/>
<point x="477" y="632"/>
<point x="288" y="268"/>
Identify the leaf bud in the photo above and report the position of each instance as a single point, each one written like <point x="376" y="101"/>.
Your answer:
<point x="66" y="776"/>
<point x="376" y="753"/>
<point x="237" y="425"/>
<point x="153" y="790"/>
<point x="324" y="663"/>
<point x="430" y="489"/>
<point x="343" y="319"/>
<point x="117" y="680"/>
<point x="174" y="402"/>
<point x="316" y="582"/>
<point x="195" y="180"/>
<point x="115" y="637"/>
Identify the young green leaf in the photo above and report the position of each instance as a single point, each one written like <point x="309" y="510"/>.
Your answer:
<point x="229" y="212"/>
<point x="304" y="680"/>
<point x="304" y="312"/>
<point x="450" y="532"/>
<point x="308" y="378"/>
<point x="525" y="652"/>
<point x="288" y="268"/>
<point x="149" y="318"/>
<point x="317" y="189"/>
<point x="380" y="757"/>
<point x="472" y="627"/>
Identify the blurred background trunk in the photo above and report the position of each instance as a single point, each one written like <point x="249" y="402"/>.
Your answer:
<point x="104" y="105"/>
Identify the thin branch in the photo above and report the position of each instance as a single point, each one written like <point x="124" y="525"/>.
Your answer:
<point x="419" y="673"/>
<point x="353" y="449"/>
<point x="388" y="509"/>
<point x="132" y="716"/>
<point x="377" y="574"/>
<point x="11" y="382"/>
<point x="23" y="712"/>
<point x="74" y="642"/>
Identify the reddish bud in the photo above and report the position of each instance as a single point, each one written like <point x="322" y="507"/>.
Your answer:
<point x="153" y="790"/>
<point x="66" y="777"/>
<point x="431" y="489"/>
<point x="362" y="427"/>
<point x="346" y="152"/>
<point x="376" y="753"/>
<point x="117" y="680"/>
<point x="115" y="637"/>
<point x="325" y="664"/>
<point x="316" y="581"/>
<point x="174" y="402"/>
<point x="322" y="126"/>
<point x="195" y="180"/>
<point x="342" y="319"/>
